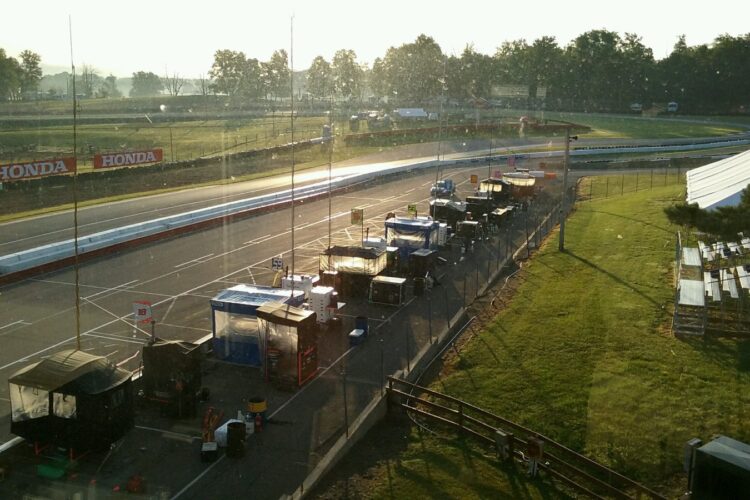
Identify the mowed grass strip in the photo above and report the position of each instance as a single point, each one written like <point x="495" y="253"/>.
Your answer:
<point x="583" y="352"/>
<point x="397" y="460"/>
<point x="180" y="140"/>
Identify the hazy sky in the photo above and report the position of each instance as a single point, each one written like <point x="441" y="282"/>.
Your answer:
<point x="148" y="35"/>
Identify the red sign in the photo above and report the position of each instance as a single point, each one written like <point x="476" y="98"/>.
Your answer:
<point x="42" y="168"/>
<point x="109" y="160"/>
<point x="142" y="311"/>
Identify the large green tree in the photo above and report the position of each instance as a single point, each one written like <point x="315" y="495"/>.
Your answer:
<point x="593" y="70"/>
<point x="346" y="74"/>
<point x="108" y="88"/>
<point x="469" y="76"/>
<point x="252" y="84"/>
<point x="319" y="78"/>
<point x="31" y="71"/>
<point x="10" y="77"/>
<point x="412" y="72"/>
<point x="226" y="71"/>
<point x="276" y="74"/>
<point x="146" y="84"/>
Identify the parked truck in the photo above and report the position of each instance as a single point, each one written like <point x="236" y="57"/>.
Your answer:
<point x="443" y="188"/>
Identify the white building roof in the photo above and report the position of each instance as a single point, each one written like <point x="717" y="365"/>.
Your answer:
<point x="720" y="183"/>
<point x="410" y="112"/>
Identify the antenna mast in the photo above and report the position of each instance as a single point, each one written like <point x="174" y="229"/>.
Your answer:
<point x="75" y="191"/>
<point x="291" y="91"/>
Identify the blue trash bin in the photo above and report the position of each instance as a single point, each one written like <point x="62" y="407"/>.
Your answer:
<point x="360" y="322"/>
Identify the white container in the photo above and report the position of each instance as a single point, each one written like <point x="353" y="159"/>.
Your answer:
<point x="442" y="234"/>
<point x="320" y="299"/>
<point x="302" y="282"/>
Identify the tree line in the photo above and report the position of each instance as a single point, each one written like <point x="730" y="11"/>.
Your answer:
<point x="599" y="70"/>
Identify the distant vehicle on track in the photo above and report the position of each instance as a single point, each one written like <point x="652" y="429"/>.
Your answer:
<point x="443" y="189"/>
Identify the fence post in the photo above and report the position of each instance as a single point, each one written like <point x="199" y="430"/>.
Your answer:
<point x="489" y="259"/>
<point x="526" y="225"/>
<point x="447" y="308"/>
<point x="389" y="392"/>
<point x="408" y="354"/>
<point x="461" y="419"/>
<point x="497" y="260"/>
<point x="429" y="315"/>
<point x="507" y="240"/>
<point x="346" y="406"/>
<point x="476" y="288"/>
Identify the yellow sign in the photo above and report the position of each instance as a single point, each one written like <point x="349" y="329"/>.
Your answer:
<point x="412" y="209"/>
<point x="474" y="178"/>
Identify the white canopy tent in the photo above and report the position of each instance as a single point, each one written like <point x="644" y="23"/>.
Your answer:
<point x="719" y="184"/>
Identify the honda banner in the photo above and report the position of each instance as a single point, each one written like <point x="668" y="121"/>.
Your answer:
<point x="41" y="168"/>
<point x="108" y="160"/>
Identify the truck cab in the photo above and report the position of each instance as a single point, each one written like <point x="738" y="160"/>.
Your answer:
<point x="443" y="189"/>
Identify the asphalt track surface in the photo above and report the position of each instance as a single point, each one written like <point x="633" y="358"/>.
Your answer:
<point x="179" y="276"/>
<point x="32" y="232"/>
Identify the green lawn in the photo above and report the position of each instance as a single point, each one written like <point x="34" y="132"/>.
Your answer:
<point x="637" y="127"/>
<point x="190" y="139"/>
<point x="583" y="354"/>
<point x="181" y="140"/>
<point x="421" y="465"/>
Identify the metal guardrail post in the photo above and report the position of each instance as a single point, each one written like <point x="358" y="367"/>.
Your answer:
<point x="346" y="406"/>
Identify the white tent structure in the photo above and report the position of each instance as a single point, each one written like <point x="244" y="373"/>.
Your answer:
<point x="719" y="184"/>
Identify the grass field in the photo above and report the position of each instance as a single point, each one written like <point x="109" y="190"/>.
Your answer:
<point x="421" y="465"/>
<point x="636" y="127"/>
<point x="184" y="139"/>
<point x="583" y="354"/>
<point x="181" y="140"/>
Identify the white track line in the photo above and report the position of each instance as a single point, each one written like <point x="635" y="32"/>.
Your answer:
<point x="20" y="321"/>
<point x="197" y="259"/>
<point x="183" y="294"/>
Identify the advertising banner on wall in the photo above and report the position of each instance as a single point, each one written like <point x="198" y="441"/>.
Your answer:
<point x="127" y="159"/>
<point x="34" y="169"/>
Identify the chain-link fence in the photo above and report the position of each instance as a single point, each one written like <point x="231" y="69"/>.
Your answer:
<point x="400" y="340"/>
<point x="618" y="184"/>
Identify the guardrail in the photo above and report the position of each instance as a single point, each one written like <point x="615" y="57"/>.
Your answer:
<point x="61" y="254"/>
<point x="576" y="470"/>
<point x="56" y="255"/>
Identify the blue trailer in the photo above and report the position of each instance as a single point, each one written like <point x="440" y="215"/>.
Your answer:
<point x="411" y="234"/>
<point x="236" y="337"/>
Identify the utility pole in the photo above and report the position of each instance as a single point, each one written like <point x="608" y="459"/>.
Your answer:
<point x="563" y="202"/>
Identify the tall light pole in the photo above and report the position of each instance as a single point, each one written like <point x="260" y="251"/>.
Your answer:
<point x="563" y="203"/>
<point x="291" y="92"/>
